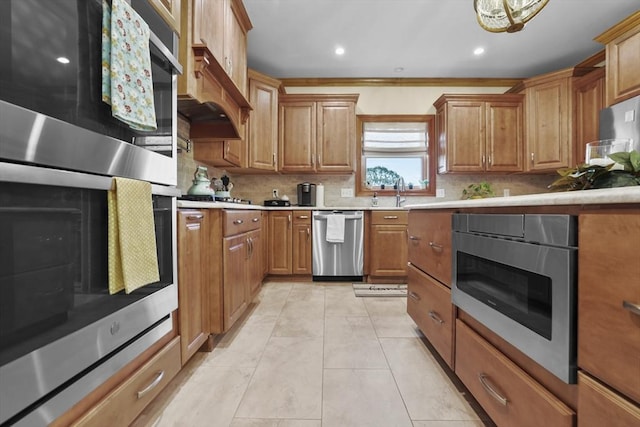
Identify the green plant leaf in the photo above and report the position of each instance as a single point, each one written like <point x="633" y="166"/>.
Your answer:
<point x="634" y="158"/>
<point x="622" y="158"/>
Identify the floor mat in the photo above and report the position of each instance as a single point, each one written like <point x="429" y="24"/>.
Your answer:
<point x="380" y="290"/>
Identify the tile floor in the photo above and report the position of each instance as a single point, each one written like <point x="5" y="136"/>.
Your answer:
<point x="313" y="354"/>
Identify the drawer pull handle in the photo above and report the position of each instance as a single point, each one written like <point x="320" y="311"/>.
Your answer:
<point x="151" y="386"/>
<point x="634" y="308"/>
<point x="390" y="217"/>
<point x="303" y="216"/>
<point x="436" y="247"/>
<point x="238" y="221"/>
<point x="434" y="316"/>
<point x="255" y="220"/>
<point x="414" y="238"/>
<point x="414" y="296"/>
<point x="485" y="383"/>
<point x="196" y="216"/>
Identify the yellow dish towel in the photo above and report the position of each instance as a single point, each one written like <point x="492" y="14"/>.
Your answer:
<point x="133" y="259"/>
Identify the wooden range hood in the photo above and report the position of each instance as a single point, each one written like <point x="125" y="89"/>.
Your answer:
<point x="211" y="101"/>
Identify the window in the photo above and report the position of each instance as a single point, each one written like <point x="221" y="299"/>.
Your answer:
<point x="392" y="147"/>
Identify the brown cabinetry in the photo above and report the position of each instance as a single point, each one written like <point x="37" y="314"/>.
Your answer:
<point x="623" y="61"/>
<point x="430" y="243"/>
<point x="599" y="406"/>
<point x="170" y="12"/>
<point x="263" y="122"/>
<point x="478" y="133"/>
<point x="609" y="299"/>
<point x="509" y="395"/>
<point x="429" y="305"/>
<point x="589" y="99"/>
<point x="289" y="242"/>
<point x="388" y="244"/>
<point x="192" y="260"/>
<point x="317" y="133"/>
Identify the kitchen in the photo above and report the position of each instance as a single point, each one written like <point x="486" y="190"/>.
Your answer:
<point x="259" y="187"/>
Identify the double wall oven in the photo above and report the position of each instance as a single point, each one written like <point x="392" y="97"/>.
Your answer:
<point x="61" y="333"/>
<point x="517" y="275"/>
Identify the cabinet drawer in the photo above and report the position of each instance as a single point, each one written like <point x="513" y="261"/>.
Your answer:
<point x="389" y="217"/>
<point x="430" y="243"/>
<point x="506" y="392"/>
<point x="429" y="305"/>
<point x="302" y="217"/>
<point x="598" y="406"/>
<point x="124" y="404"/>
<point x="608" y="300"/>
<point x="236" y="222"/>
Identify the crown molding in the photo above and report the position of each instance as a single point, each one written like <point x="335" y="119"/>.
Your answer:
<point x="458" y="82"/>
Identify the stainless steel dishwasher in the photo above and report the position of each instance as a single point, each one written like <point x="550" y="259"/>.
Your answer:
<point x="338" y="261"/>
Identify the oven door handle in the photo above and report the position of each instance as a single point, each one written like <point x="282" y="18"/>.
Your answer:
<point x="634" y="308"/>
<point x="492" y="391"/>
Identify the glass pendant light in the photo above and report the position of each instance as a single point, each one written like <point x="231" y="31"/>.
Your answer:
<point x="506" y="15"/>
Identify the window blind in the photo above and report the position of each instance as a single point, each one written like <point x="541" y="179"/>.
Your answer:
<point x="394" y="138"/>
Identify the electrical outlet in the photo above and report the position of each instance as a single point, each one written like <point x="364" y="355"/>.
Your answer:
<point x="346" y="192"/>
<point x="440" y="192"/>
<point x="275" y="193"/>
<point x="506" y="192"/>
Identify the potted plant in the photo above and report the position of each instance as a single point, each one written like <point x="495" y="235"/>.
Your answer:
<point x="478" y="191"/>
<point x="623" y="173"/>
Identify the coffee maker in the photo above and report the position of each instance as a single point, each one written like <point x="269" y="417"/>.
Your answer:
<point x="306" y="194"/>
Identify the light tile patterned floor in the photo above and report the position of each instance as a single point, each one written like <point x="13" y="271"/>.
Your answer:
<point x="311" y="355"/>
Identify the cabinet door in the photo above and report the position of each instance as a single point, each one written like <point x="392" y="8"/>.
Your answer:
<point x="235" y="256"/>
<point x="208" y="25"/>
<point x="599" y="406"/>
<point x="235" y="46"/>
<point x="297" y="136"/>
<point x="589" y="98"/>
<point x="170" y="12"/>
<point x="254" y="264"/>
<point x="609" y="299"/>
<point x="336" y="136"/>
<point x="219" y="153"/>
<point x="301" y="245"/>
<point x="504" y="136"/>
<point x="465" y="136"/>
<point x="548" y="138"/>
<point x="430" y="243"/>
<point x="623" y="61"/>
<point x="192" y="317"/>
<point x="388" y="250"/>
<point x="263" y="125"/>
<point x="280" y="242"/>
<point x="265" y="243"/>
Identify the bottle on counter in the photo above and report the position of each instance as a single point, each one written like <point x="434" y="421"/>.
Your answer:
<point x="374" y="200"/>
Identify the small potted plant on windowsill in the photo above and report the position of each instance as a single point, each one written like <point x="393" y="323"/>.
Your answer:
<point x="478" y="191"/>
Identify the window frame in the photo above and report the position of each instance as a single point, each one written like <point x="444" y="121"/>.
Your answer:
<point x="429" y="158"/>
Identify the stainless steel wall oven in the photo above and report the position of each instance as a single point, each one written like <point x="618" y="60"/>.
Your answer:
<point x="61" y="333"/>
<point x="517" y="275"/>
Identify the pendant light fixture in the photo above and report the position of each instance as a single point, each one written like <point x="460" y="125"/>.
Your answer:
<point x="506" y="15"/>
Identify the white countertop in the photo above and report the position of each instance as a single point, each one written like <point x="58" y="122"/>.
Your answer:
<point x="626" y="195"/>
<point x="224" y="205"/>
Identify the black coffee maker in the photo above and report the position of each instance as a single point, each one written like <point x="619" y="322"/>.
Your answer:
<point x="306" y="194"/>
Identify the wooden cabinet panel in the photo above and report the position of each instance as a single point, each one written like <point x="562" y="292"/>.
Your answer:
<point x="240" y="221"/>
<point x="623" y="61"/>
<point x="599" y="406"/>
<point x="124" y="404"/>
<point x="297" y="136"/>
<point x="430" y="243"/>
<point x="507" y="394"/>
<point x="236" y="253"/>
<point x="209" y="25"/>
<point x="254" y="264"/>
<point x="280" y="248"/>
<point x="429" y="305"/>
<point x="479" y="133"/>
<point x="226" y="153"/>
<point x="191" y="302"/>
<point x="301" y="249"/>
<point x="589" y="94"/>
<point x="263" y="121"/>
<point x="387" y="244"/>
<point x="608" y="299"/>
<point x="170" y="12"/>
<point x="336" y="136"/>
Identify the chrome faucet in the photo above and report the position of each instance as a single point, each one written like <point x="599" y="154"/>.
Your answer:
<point x="400" y="187"/>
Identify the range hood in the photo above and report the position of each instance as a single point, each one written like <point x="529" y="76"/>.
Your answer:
<point x="216" y="108"/>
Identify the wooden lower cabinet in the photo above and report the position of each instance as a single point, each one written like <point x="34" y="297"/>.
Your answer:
<point x="192" y="261"/>
<point x="290" y="242"/>
<point x="599" y="406"/>
<point x="387" y="248"/>
<point x="508" y="394"/>
<point x="301" y="243"/>
<point x="429" y="305"/>
<point x="430" y="243"/>
<point x="126" y="402"/>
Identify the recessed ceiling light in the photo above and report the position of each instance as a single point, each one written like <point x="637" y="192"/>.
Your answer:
<point x="478" y="51"/>
<point x="398" y="69"/>
<point x="62" y="60"/>
<point x="339" y="50"/>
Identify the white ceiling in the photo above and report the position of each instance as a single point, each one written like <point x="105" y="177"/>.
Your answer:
<point x="427" y="38"/>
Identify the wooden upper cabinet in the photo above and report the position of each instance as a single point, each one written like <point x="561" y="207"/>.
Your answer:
<point x="623" y="59"/>
<point x="317" y="133"/>
<point x="170" y="12"/>
<point x="478" y="133"/>
<point x="589" y="99"/>
<point x="208" y="25"/>
<point x="263" y="121"/>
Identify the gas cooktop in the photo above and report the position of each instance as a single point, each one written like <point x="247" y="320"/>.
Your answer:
<point x="212" y="198"/>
